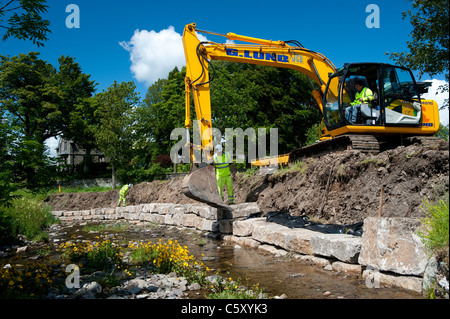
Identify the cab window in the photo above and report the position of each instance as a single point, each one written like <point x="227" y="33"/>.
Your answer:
<point x="401" y="99"/>
<point x="332" y="114"/>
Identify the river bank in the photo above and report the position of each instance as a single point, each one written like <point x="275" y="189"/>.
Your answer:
<point x="278" y="276"/>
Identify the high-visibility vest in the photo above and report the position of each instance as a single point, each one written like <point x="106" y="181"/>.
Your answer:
<point x="124" y="190"/>
<point x="366" y="94"/>
<point x="222" y="165"/>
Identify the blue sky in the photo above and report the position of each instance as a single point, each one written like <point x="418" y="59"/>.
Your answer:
<point x="151" y="31"/>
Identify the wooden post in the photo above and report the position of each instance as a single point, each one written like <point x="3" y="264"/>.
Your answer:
<point x="324" y="198"/>
<point x="381" y="202"/>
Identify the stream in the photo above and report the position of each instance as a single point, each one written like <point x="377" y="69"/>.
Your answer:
<point x="275" y="275"/>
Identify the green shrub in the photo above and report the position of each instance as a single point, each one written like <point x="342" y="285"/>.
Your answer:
<point x="104" y="256"/>
<point x="230" y="289"/>
<point x="141" y="174"/>
<point x="436" y="224"/>
<point x="26" y="216"/>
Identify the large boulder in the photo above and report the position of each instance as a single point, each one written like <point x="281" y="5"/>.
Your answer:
<point x="297" y="240"/>
<point x="345" y="248"/>
<point x="392" y="244"/>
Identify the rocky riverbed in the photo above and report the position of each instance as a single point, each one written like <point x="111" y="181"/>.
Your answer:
<point x="278" y="276"/>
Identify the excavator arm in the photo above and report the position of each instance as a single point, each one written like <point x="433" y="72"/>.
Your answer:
<point x="200" y="184"/>
<point x="259" y="51"/>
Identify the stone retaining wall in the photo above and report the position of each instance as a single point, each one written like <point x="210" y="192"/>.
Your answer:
<point x="389" y="254"/>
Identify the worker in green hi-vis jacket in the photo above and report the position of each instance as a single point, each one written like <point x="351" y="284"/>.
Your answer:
<point x="123" y="194"/>
<point x="222" y="163"/>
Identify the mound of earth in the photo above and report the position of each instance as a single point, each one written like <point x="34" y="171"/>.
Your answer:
<point x="339" y="188"/>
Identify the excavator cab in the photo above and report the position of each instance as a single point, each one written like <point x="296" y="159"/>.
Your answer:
<point x="395" y="98"/>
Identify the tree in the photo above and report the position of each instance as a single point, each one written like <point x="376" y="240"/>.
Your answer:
<point x="7" y="160"/>
<point x="38" y="97"/>
<point x="443" y="131"/>
<point x="161" y="112"/>
<point x="37" y="100"/>
<point x="24" y="20"/>
<point x="82" y="127"/>
<point x="115" y="131"/>
<point x="430" y="40"/>
<point x="25" y="92"/>
<point x="257" y="96"/>
<point x="77" y="106"/>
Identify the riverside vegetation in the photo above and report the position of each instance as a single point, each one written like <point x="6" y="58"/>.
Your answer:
<point x="109" y="263"/>
<point x="29" y="218"/>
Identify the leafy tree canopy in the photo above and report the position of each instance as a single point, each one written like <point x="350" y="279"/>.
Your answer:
<point x="22" y="19"/>
<point x="428" y="48"/>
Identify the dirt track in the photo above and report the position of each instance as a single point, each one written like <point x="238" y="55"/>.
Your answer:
<point x="408" y="175"/>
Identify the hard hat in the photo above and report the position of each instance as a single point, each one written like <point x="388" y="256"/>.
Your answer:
<point x="218" y="148"/>
<point x="130" y="185"/>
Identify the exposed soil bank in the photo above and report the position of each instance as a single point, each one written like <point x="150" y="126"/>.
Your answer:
<point x="408" y="175"/>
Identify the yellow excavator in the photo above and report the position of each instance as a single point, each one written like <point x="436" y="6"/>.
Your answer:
<point x="395" y="113"/>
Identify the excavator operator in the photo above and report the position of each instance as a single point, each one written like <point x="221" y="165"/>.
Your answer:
<point x="363" y="95"/>
<point x="222" y="163"/>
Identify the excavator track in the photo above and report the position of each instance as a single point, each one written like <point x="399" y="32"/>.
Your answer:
<point x="363" y="143"/>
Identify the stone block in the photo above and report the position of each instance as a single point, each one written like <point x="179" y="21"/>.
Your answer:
<point x="313" y="260"/>
<point x="66" y="219"/>
<point x="239" y="211"/>
<point x="107" y="211"/>
<point x="297" y="240"/>
<point x="391" y="244"/>
<point x="244" y="228"/>
<point x="225" y="226"/>
<point x="345" y="248"/>
<point x="58" y="213"/>
<point x="203" y="211"/>
<point x="272" y="250"/>
<point x="155" y="218"/>
<point x="168" y="220"/>
<point x="209" y="225"/>
<point x="164" y="209"/>
<point x="242" y="241"/>
<point x="376" y="279"/>
<point x="349" y="269"/>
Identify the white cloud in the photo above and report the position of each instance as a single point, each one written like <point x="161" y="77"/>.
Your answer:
<point x="154" y="54"/>
<point x="434" y="94"/>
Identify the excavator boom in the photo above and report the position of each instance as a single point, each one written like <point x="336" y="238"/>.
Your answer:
<point x="395" y="111"/>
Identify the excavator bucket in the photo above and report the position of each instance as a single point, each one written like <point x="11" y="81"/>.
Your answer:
<point x="201" y="186"/>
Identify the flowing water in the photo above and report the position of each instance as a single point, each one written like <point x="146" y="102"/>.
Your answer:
<point x="275" y="276"/>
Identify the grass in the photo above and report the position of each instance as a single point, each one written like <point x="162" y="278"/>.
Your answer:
<point x="104" y="256"/>
<point x="230" y="289"/>
<point x="28" y="216"/>
<point x="436" y="233"/>
<point x="436" y="224"/>
<point x="298" y="166"/>
<point x="117" y="227"/>
<point x="80" y="189"/>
